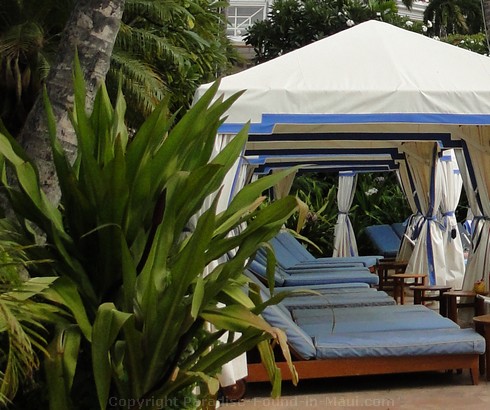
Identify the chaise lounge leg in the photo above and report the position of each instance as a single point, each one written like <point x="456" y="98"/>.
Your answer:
<point x="475" y="374"/>
<point x="236" y="391"/>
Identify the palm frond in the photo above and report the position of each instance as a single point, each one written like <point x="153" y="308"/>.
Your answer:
<point x="151" y="46"/>
<point x="23" y="335"/>
<point x="141" y="84"/>
<point x="156" y="12"/>
<point x="20" y="357"/>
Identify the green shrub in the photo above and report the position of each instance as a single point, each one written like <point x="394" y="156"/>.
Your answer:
<point x="133" y="256"/>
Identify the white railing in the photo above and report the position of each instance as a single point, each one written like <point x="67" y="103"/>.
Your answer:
<point x="241" y="17"/>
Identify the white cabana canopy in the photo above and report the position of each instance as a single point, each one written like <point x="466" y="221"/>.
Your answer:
<point x="374" y="89"/>
<point x="374" y="69"/>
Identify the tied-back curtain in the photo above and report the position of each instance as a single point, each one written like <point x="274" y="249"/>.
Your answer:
<point x="406" y="245"/>
<point x="344" y="238"/>
<point x="477" y="149"/>
<point x="474" y="210"/>
<point x="453" y="247"/>
<point x="428" y="253"/>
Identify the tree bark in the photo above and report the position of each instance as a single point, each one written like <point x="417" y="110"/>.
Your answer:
<point x="91" y="30"/>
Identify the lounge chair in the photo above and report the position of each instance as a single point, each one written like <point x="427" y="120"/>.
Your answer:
<point x="316" y="277"/>
<point x="384" y="239"/>
<point x="291" y="254"/>
<point x="370" y="340"/>
<point x="326" y="296"/>
<point x="399" y="229"/>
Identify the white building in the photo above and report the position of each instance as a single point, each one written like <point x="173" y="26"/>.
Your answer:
<point x="417" y="11"/>
<point x="243" y="13"/>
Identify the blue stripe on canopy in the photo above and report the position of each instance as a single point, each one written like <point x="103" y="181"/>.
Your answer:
<point x="307" y="152"/>
<point x="269" y="120"/>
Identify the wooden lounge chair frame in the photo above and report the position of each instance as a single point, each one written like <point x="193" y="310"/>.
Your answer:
<point x="324" y="368"/>
<point x="359" y="366"/>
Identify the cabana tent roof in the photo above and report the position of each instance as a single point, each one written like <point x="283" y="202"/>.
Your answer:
<point x="373" y="73"/>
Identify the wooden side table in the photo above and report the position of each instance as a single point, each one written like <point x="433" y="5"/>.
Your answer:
<point x="383" y="268"/>
<point x="400" y="284"/>
<point x="453" y="304"/>
<point x="482" y="326"/>
<point x="419" y="295"/>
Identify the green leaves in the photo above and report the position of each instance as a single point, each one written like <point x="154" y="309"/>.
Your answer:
<point x="151" y="273"/>
<point x="107" y="325"/>
<point x="23" y="315"/>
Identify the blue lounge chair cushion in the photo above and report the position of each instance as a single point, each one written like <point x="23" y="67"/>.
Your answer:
<point x="399" y="343"/>
<point x="325" y="322"/>
<point x="301" y="341"/>
<point x="384" y="239"/>
<point x="333" y="287"/>
<point x="305" y="279"/>
<point x="399" y="229"/>
<point x="285" y="242"/>
<point x="377" y="298"/>
<point x="316" y="277"/>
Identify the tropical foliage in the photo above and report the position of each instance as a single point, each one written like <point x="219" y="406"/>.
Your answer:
<point x="25" y="314"/>
<point x="378" y="199"/>
<point x="169" y="48"/>
<point x="319" y="193"/>
<point x="474" y="42"/>
<point x="454" y="17"/>
<point x="163" y="48"/>
<point x="132" y="255"/>
<point x="292" y="24"/>
<point x="29" y="34"/>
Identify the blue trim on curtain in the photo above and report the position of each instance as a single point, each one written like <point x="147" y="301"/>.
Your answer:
<point x="235" y="180"/>
<point x="431" y="218"/>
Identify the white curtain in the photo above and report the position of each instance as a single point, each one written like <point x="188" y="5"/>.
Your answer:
<point x="474" y="208"/>
<point x="477" y="148"/>
<point x="406" y="245"/>
<point x="235" y="179"/>
<point x="344" y="240"/>
<point x="428" y="253"/>
<point x="453" y="247"/>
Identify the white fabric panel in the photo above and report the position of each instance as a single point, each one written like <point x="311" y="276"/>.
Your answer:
<point x="373" y="67"/>
<point x="345" y="241"/>
<point x="236" y="369"/>
<point x="453" y="247"/>
<point x="478" y="266"/>
<point x="406" y="246"/>
<point x="471" y="271"/>
<point x="474" y="208"/>
<point x="428" y="253"/>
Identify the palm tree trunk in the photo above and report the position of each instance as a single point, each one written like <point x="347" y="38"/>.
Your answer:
<point x="486" y="18"/>
<point x="91" y="30"/>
